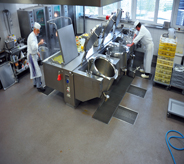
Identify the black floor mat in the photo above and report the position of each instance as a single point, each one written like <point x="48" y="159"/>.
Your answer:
<point x="48" y="90"/>
<point x="125" y="114"/>
<point x="138" y="73"/>
<point x="136" y="91"/>
<point x="106" y="110"/>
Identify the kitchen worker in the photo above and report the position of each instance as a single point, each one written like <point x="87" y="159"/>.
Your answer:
<point x="144" y="35"/>
<point x="32" y="56"/>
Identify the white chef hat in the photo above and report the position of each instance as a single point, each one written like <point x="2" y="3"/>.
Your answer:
<point x="136" y="23"/>
<point x="37" y="25"/>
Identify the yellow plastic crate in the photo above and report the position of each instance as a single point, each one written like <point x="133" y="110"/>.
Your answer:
<point x="164" y="76"/>
<point x="164" y="57"/>
<point x="170" y="49"/>
<point x="162" y="80"/>
<point x="163" y="66"/>
<point x="163" y="71"/>
<point x="166" y="53"/>
<point x="166" y="62"/>
<point x="161" y="44"/>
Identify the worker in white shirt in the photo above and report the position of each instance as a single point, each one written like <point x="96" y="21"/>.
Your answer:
<point x="32" y="56"/>
<point x="144" y="35"/>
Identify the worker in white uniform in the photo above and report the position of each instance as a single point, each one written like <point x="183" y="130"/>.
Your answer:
<point x="144" y="35"/>
<point x="32" y="56"/>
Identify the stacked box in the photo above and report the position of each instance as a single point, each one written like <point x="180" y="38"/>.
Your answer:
<point x="165" y="59"/>
<point x="177" y="79"/>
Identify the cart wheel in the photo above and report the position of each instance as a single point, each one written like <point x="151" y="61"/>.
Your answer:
<point x="168" y="114"/>
<point x="17" y="80"/>
<point x="167" y="88"/>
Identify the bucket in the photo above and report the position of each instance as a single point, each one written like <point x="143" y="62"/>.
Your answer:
<point x="171" y="33"/>
<point x="44" y="52"/>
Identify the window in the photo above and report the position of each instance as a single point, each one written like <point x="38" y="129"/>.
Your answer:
<point x="145" y="10"/>
<point x="107" y="10"/>
<point x="165" y="11"/>
<point x="91" y="10"/>
<point x="126" y="7"/>
<point x="180" y="14"/>
<point x="154" y="11"/>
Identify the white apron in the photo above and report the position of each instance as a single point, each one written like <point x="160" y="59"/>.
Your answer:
<point x="33" y="66"/>
<point x="148" y="56"/>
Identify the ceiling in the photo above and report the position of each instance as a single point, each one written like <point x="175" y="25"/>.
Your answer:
<point x="97" y="3"/>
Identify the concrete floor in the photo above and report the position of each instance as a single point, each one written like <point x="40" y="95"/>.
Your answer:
<point x="40" y="129"/>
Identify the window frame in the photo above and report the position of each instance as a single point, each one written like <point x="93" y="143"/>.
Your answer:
<point x="154" y="22"/>
<point x="175" y="14"/>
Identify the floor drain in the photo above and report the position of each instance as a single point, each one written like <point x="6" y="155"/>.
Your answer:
<point x="137" y="91"/>
<point x="126" y="114"/>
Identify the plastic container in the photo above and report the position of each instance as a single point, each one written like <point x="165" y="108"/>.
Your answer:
<point x="171" y="33"/>
<point x="166" y="62"/>
<point x="165" y="67"/>
<point x="163" y="71"/>
<point x="166" y="53"/>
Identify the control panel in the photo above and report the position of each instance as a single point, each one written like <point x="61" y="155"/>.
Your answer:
<point x="50" y="12"/>
<point x="67" y="81"/>
<point x="31" y="19"/>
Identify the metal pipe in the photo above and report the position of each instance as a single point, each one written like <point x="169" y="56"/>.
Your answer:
<point x="84" y="20"/>
<point x="60" y="17"/>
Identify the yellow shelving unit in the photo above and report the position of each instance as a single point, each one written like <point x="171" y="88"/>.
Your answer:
<point x="165" y="59"/>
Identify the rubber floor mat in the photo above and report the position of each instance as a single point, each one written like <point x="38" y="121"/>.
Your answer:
<point x="48" y="90"/>
<point x="136" y="91"/>
<point x="106" y="110"/>
<point x="126" y="114"/>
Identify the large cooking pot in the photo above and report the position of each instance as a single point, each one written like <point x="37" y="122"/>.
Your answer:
<point x="121" y="53"/>
<point x="103" y="67"/>
<point x="44" y="52"/>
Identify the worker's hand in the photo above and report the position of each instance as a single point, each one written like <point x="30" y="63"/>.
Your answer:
<point x="41" y="42"/>
<point x="39" y="55"/>
<point x="129" y="45"/>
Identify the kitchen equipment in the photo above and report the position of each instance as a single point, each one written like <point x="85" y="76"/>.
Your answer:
<point x="9" y="43"/>
<point x="175" y="107"/>
<point x="71" y="60"/>
<point x="44" y="52"/>
<point x="104" y="68"/>
<point x="27" y="17"/>
<point x="2" y="58"/>
<point x="171" y="33"/>
<point x="166" y="24"/>
<point x="121" y="53"/>
<point x="7" y="77"/>
<point x="91" y="40"/>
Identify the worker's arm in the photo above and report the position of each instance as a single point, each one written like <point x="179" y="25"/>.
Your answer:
<point x="129" y="45"/>
<point x="134" y="36"/>
<point x="41" y="42"/>
<point x="139" y="37"/>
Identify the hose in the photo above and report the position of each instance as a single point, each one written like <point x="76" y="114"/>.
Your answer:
<point x="169" y="144"/>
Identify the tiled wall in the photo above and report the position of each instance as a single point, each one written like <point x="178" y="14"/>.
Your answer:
<point x="15" y="28"/>
<point x="156" y="33"/>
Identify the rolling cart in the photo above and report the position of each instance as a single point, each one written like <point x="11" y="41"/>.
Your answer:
<point x="166" y="53"/>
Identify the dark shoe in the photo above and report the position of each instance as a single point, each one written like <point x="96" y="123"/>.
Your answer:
<point x="35" y="85"/>
<point x="41" y="89"/>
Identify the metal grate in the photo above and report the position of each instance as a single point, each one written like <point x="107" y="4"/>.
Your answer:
<point x="126" y="114"/>
<point x="137" y="91"/>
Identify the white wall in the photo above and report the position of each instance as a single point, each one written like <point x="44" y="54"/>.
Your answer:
<point x="156" y="33"/>
<point x="15" y="28"/>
